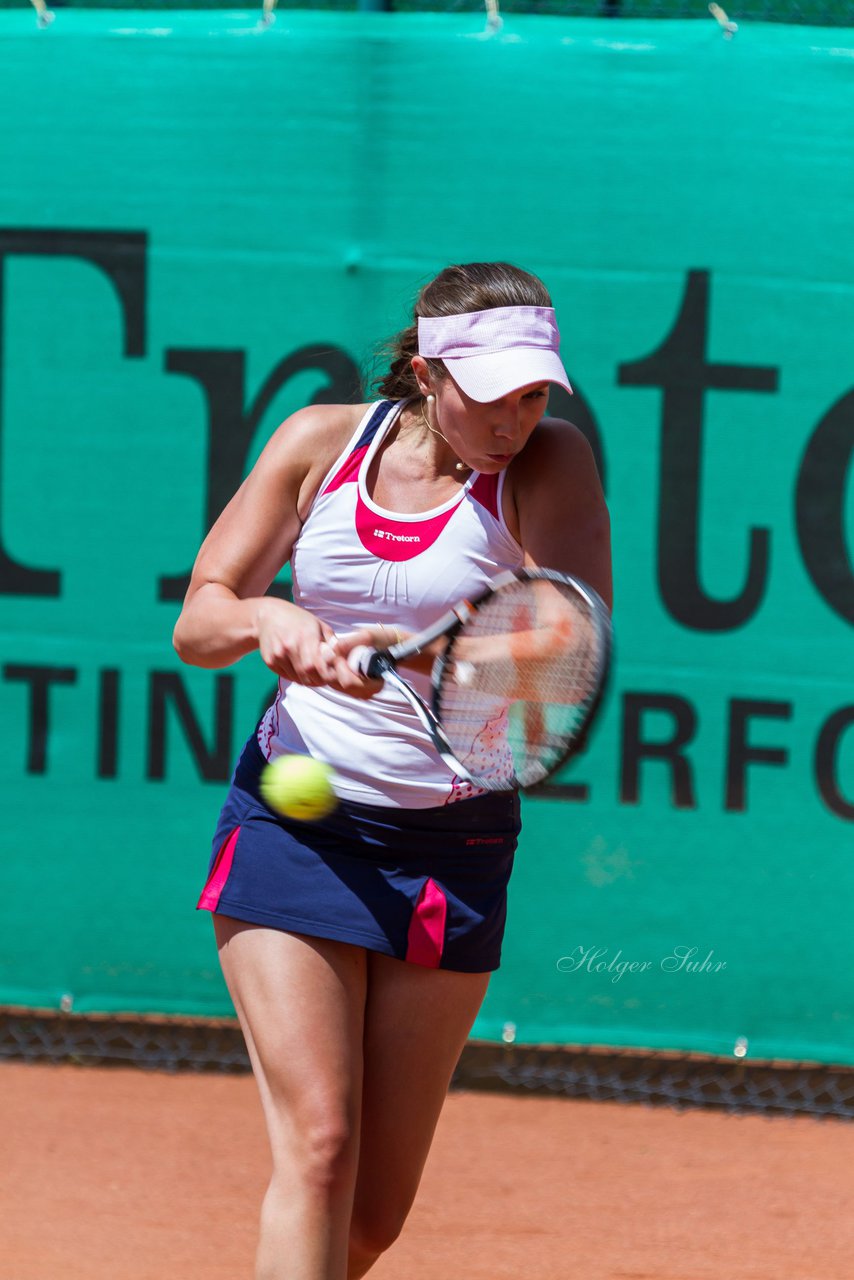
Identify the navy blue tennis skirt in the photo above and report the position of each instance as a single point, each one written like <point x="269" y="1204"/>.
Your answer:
<point x="428" y="886"/>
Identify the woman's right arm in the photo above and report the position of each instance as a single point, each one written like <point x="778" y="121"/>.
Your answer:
<point x="226" y="613"/>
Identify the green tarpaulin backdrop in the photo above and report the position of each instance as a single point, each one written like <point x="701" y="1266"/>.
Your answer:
<point x="204" y="227"/>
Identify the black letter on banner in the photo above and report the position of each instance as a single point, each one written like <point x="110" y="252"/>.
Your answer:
<point x="576" y="791"/>
<point x="231" y="428"/>
<point x="825" y="762"/>
<point x="39" y="679"/>
<point x="820" y="506"/>
<point x="121" y="256"/>
<point x="739" y="755"/>
<point x="679" y="367"/>
<point x="215" y="764"/>
<point x="108" y="722"/>
<point x="635" y="749"/>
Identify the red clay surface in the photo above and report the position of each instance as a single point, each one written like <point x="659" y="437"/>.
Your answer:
<point x="128" y="1175"/>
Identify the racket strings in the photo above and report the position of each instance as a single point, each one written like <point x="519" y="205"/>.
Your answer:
<point x="519" y="681"/>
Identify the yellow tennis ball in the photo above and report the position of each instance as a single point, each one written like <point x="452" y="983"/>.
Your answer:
<point x="298" y="787"/>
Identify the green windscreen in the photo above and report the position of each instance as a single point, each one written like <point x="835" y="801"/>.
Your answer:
<point x="205" y="226"/>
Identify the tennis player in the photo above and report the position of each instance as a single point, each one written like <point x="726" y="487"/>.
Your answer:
<point x="358" y="949"/>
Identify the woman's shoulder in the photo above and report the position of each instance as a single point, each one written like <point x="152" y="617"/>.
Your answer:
<point x="313" y="437"/>
<point x="304" y="447"/>
<point x="559" y="505"/>
<point x="317" y="423"/>
<point x="557" y="449"/>
<point x="558" y="433"/>
<point x="546" y="470"/>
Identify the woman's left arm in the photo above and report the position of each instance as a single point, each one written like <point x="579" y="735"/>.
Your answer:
<point x="557" y="498"/>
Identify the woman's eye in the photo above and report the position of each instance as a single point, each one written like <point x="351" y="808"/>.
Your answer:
<point x="536" y="395"/>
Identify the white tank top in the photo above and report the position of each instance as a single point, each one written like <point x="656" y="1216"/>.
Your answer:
<point x="354" y="564"/>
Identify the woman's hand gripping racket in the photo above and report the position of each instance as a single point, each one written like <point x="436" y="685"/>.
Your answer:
<point x="518" y="683"/>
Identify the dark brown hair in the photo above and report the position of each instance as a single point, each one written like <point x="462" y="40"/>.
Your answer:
<point x="470" y="286"/>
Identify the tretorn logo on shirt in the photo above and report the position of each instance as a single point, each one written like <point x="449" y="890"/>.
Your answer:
<point x="396" y="537"/>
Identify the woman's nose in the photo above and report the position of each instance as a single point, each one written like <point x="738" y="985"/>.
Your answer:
<point x="507" y="422"/>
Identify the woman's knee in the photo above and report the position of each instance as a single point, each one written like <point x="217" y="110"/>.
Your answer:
<point x="320" y="1148"/>
<point x="375" y="1229"/>
<point x="329" y="1156"/>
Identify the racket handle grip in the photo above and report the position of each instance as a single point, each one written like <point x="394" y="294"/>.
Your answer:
<point x="373" y="663"/>
<point x="359" y="659"/>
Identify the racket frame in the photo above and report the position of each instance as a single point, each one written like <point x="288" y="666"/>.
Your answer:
<point x="600" y="619"/>
<point x="382" y="664"/>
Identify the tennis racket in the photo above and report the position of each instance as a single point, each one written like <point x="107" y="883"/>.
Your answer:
<point x="517" y="686"/>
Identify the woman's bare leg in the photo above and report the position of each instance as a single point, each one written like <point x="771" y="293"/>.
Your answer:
<point x="417" y="1021"/>
<point x="300" y="1001"/>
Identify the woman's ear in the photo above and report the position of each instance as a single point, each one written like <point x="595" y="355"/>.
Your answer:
<point x="422" y="375"/>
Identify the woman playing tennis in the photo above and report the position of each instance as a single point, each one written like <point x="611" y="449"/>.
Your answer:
<point x="358" y="949"/>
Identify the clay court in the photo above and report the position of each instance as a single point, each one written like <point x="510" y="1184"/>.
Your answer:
<point x="117" y="1172"/>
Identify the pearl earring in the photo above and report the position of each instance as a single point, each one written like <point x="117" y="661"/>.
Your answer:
<point x="431" y="400"/>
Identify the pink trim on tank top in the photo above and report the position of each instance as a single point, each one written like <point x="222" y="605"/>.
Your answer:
<point x="390" y="539"/>
<point x="426" y="937"/>
<point x="397" y="540"/>
<point x="485" y="491"/>
<point x="348" y="472"/>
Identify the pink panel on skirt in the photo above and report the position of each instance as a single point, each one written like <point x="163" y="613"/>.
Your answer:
<point x="426" y="936"/>
<point x="209" y="901"/>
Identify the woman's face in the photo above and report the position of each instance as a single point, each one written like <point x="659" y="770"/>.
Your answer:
<point x="486" y="437"/>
